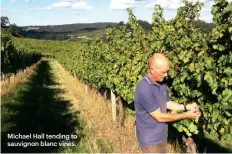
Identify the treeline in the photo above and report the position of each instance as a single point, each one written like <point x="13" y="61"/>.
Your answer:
<point x="202" y="25"/>
<point x="60" y="32"/>
<point x="69" y="28"/>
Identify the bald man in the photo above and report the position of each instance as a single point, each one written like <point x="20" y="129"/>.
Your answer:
<point x="151" y="103"/>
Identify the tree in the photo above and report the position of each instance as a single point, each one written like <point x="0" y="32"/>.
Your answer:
<point x="108" y="26"/>
<point x="146" y="25"/>
<point x="121" y="23"/>
<point x="204" y="26"/>
<point x="4" y="22"/>
<point x="13" y="30"/>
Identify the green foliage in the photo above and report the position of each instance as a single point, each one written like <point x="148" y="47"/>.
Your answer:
<point x="204" y="26"/>
<point x="13" y="30"/>
<point x="14" y="59"/>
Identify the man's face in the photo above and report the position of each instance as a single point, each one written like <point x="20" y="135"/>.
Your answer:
<point x="160" y="74"/>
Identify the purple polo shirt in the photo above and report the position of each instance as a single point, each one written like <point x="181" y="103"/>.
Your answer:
<point x="148" y="98"/>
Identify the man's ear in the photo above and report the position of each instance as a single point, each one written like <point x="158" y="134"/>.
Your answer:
<point x="152" y="71"/>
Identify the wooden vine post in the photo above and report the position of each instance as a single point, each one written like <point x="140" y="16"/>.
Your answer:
<point x="86" y="89"/>
<point x="113" y="101"/>
<point x="105" y="94"/>
<point x="120" y="112"/>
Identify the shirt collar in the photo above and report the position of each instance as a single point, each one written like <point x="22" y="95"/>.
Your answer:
<point x="149" y="80"/>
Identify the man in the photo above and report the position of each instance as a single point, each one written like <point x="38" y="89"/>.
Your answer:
<point x="151" y="102"/>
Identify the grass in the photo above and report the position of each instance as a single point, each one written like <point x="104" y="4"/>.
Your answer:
<point x="7" y="84"/>
<point x="34" y="107"/>
<point x="91" y="142"/>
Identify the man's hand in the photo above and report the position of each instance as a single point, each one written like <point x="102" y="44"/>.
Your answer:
<point x="192" y="107"/>
<point x="193" y="114"/>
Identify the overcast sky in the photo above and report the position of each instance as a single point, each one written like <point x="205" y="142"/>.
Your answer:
<point x="56" y="12"/>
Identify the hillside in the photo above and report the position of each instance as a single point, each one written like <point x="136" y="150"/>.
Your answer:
<point x="87" y="35"/>
<point x="70" y="28"/>
<point x="76" y="32"/>
<point x="61" y="32"/>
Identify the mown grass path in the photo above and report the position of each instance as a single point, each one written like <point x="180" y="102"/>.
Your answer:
<point x="36" y="107"/>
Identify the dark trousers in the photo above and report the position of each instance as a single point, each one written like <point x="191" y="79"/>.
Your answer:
<point x="158" y="148"/>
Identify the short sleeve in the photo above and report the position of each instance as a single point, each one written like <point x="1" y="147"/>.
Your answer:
<point x="148" y="101"/>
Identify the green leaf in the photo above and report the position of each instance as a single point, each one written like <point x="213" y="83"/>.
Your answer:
<point x="171" y="73"/>
<point x="189" y="134"/>
<point x="196" y="120"/>
<point x="215" y="126"/>
<point x="227" y="95"/>
<point x="228" y="71"/>
<point x="214" y="9"/>
<point x="226" y="121"/>
<point x="209" y="62"/>
<point x="222" y="130"/>
<point x="228" y="114"/>
<point x="192" y="127"/>
<point x="221" y="47"/>
<point x="180" y="128"/>
<point x="183" y="76"/>
<point x="210" y="77"/>
<point x="191" y="67"/>
<point x="230" y="29"/>
<point x="229" y="7"/>
<point x="215" y="46"/>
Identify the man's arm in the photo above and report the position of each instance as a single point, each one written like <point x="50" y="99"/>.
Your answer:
<point x="181" y="107"/>
<point x="169" y="117"/>
<point x="175" y="106"/>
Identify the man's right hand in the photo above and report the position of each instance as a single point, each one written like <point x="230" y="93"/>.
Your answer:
<point x="192" y="114"/>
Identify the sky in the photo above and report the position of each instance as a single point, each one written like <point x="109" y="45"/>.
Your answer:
<point x="58" y="12"/>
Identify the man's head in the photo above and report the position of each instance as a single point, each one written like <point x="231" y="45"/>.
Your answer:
<point x="158" y="67"/>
